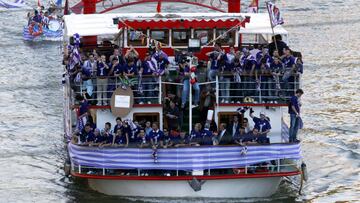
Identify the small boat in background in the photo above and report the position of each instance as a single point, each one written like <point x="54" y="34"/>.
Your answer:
<point x="44" y="24"/>
<point x="37" y="31"/>
<point x="18" y="4"/>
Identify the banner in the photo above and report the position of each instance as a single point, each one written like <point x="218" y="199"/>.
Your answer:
<point x="274" y="13"/>
<point x="189" y="158"/>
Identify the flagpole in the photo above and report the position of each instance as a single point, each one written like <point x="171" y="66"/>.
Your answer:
<point x="272" y="27"/>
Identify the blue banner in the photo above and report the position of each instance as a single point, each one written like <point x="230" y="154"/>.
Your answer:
<point x="190" y="158"/>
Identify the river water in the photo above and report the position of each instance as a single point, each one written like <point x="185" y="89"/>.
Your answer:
<point x="327" y="32"/>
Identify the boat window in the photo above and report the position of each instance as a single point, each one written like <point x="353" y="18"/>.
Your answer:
<point x="226" y="39"/>
<point x="161" y="36"/>
<point x="227" y="117"/>
<point x="180" y="37"/>
<point x="136" y="38"/>
<point x="205" y="36"/>
<point x="144" y="117"/>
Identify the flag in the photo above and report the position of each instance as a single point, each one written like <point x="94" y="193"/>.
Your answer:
<point x="66" y="9"/>
<point x="274" y="13"/>
<point x="58" y="3"/>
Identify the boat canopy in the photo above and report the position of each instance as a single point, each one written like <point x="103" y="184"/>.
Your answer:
<point x="95" y="24"/>
<point x="103" y="24"/>
<point x="260" y="24"/>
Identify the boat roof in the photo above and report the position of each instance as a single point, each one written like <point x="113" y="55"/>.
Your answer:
<point x="260" y="24"/>
<point x="102" y="24"/>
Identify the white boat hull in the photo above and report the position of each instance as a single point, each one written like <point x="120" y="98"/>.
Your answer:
<point x="226" y="188"/>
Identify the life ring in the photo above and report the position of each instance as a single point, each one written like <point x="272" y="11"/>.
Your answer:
<point x="39" y="29"/>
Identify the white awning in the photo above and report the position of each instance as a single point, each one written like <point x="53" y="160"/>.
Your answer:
<point x="102" y="24"/>
<point x="260" y="24"/>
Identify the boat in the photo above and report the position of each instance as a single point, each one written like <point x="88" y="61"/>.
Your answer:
<point x="212" y="170"/>
<point x="8" y="5"/>
<point x="44" y="25"/>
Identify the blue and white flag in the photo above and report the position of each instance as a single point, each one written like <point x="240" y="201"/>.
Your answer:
<point x="274" y="13"/>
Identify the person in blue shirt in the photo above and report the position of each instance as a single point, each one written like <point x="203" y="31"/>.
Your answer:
<point x="102" y="81"/>
<point x="196" y="135"/>
<point x="207" y="135"/>
<point x="215" y="58"/>
<point x="146" y="74"/>
<point x="289" y="63"/>
<point x="86" y="135"/>
<point x="98" y="138"/>
<point x="225" y="74"/>
<point x="277" y="68"/>
<point x="119" y="124"/>
<point x="120" y="139"/>
<point x="261" y="124"/>
<point x="129" y="69"/>
<point x="108" y="139"/>
<point x="156" y="136"/>
<point x="142" y="140"/>
<point x="248" y="62"/>
<point x="181" y="141"/>
<point x="294" y="111"/>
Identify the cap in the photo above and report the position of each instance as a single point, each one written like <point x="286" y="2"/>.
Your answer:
<point x="262" y="113"/>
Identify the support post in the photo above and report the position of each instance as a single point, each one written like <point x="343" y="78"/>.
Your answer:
<point x="89" y="8"/>
<point x="234" y="6"/>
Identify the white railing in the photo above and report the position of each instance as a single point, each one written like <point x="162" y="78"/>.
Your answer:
<point x="271" y="167"/>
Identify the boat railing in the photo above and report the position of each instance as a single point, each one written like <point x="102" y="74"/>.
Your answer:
<point x="148" y="89"/>
<point x="273" y="166"/>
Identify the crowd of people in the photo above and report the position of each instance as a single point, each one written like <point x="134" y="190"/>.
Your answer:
<point x="42" y="16"/>
<point x="148" y="134"/>
<point x="242" y="73"/>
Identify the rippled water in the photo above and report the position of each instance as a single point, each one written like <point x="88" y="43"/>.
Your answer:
<point x="31" y="144"/>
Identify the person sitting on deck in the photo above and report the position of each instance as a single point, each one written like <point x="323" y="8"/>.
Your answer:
<point x="196" y="135"/>
<point x="207" y="135"/>
<point x="222" y="137"/>
<point x="262" y="125"/>
<point x="182" y="140"/>
<point x="108" y="138"/>
<point x="166" y="139"/>
<point x="120" y="139"/>
<point x="86" y="136"/>
<point x="141" y="139"/>
<point x="98" y="138"/>
<point x="243" y="138"/>
<point x="148" y="128"/>
<point x="107" y="129"/>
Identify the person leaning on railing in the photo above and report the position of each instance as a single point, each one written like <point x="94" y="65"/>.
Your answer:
<point x="262" y="125"/>
<point x="290" y="68"/>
